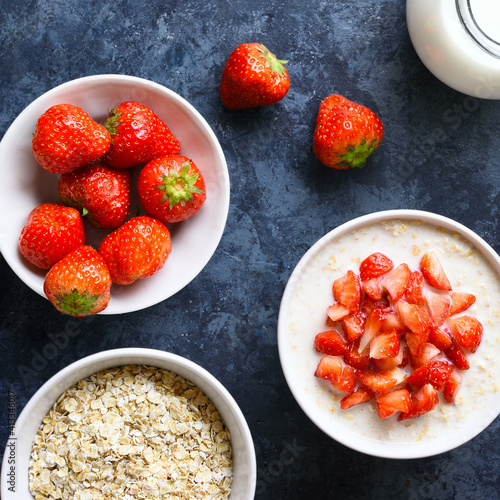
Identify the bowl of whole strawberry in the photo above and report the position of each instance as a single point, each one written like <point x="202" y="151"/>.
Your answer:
<point x="117" y="182"/>
<point x="388" y="334"/>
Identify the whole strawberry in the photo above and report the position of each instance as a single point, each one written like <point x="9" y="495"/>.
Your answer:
<point x="137" y="249"/>
<point x="67" y="138"/>
<point x="138" y="136"/>
<point x="171" y="188"/>
<point x="79" y="284"/>
<point x="50" y="232"/>
<point x="346" y="133"/>
<point x="253" y="76"/>
<point x="100" y="192"/>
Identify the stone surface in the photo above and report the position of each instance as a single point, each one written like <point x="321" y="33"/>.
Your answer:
<point x="441" y="152"/>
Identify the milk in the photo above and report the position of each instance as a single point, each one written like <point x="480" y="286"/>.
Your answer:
<point x="459" y="42"/>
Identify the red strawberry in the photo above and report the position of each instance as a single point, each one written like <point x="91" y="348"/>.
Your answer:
<point x="358" y="360"/>
<point x="438" y="305"/>
<point x="379" y="383"/>
<point x="451" y="387"/>
<point x="396" y="281"/>
<point x="374" y="265"/>
<point x="253" y="76"/>
<point x="415" y="318"/>
<point x="435" y="372"/>
<point x="101" y="193"/>
<point x="347" y="291"/>
<point x="373" y="288"/>
<point x="51" y="231"/>
<point x="433" y="271"/>
<point x="330" y="342"/>
<point x="393" y="401"/>
<point x="137" y="249"/>
<point x="346" y="133"/>
<point x="67" y="138"/>
<point x="423" y="400"/>
<point x="373" y="324"/>
<point x="341" y="376"/>
<point x="440" y="337"/>
<point x="138" y="136"/>
<point x="415" y="288"/>
<point x="79" y="284"/>
<point x="385" y="345"/>
<point x="360" y="395"/>
<point x="337" y="312"/>
<point x="468" y="331"/>
<point x="415" y="343"/>
<point x="455" y="354"/>
<point x="460" y="301"/>
<point x="354" y="325"/>
<point x="401" y="359"/>
<point x="171" y="188"/>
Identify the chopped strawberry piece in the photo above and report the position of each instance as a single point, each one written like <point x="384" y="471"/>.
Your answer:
<point x="347" y="291"/>
<point x="340" y="376"/>
<point x="400" y="359"/>
<point x="414" y="293"/>
<point x="377" y="382"/>
<point x="415" y="343"/>
<point x="373" y="325"/>
<point x="451" y="387"/>
<point x="337" y="312"/>
<point x="385" y="345"/>
<point x="354" y="326"/>
<point x="393" y="401"/>
<point x="330" y="342"/>
<point x="467" y="331"/>
<point x="433" y="271"/>
<point x="360" y="395"/>
<point x="422" y="401"/>
<point x="436" y="372"/>
<point x="396" y="281"/>
<point x="373" y="288"/>
<point x="393" y="322"/>
<point x="438" y="305"/>
<point x="426" y="353"/>
<point x="460" y="301"/>
<point x="414" y="317"/>
<point x="375" y="265"/>
<point x="440" y="337"/>
<point x="358" y="360"/>
<point x="455" y="354"/>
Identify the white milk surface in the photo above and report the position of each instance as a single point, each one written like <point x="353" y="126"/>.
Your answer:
<point x="477" y="402"/>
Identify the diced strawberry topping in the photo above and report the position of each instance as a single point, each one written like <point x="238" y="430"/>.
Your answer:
<point x="422" y="401"/>
<point x="385" y="345"/>
<point x="415" y="343"/>
<point x="396" y="281"/>
<point x="426" y="353"/>
<point x="438" y="305"/>
<point x="414" y="293"/>
<point x="358" y="360"/>
<point x="347" y="291"/>
<point x="440" y="337"/>
<point x="330" y="342"/>
<point x="460" y="301"/>
<point x="377" y="382"/>
<point x="375" y="265"/>
<point x="435" y="372"/>
<point x="455" y="354"/>
<point x="354" y="326"/>
<point x="393" y="401"/>
<point x="467" y="331"/>
<point x="340" y="376"/>
<point x="360" y="395"/>
<point x="433" y="271"/>
<point x="451" y="387"/>
<point x="373" y="288"/>
<point x="337" y="312"/>
<point x="414" y="317"/>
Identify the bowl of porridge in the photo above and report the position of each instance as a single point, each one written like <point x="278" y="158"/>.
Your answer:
<point x="130" y="423"/>
<point x="471" y="265"/>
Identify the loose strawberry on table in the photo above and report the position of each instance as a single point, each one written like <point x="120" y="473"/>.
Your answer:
<point x="51" y="231"/>
<point x="171" y="188"/>
<point x="253" y="76"/>
<point x="79" y="284"/>
<point x="346" y="133"/>
<point x="67" y="138"/>
<point x="100" y="192"/>
<point x="138" y="135"/>
<point x="399" y="333"/>
<point x="136" y="250"/>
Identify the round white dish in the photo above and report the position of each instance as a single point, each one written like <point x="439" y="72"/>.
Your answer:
<point x="25" y="184"/>
<point x="20" y="442"/>
<point x="470" y="263"/>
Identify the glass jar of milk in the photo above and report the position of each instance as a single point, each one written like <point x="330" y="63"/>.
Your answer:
<point x="459" y="42"/>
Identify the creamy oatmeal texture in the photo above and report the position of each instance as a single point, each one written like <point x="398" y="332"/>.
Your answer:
<point x="402" y="241"/>
<point x="131" y="432"/>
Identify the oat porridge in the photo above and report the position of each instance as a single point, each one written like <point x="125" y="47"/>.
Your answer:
<point x="132" y="432"/>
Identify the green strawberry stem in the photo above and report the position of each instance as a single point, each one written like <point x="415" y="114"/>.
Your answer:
<point x="179" y="187"/>
<point x="356" y="156"/>
<point x="77" y="303"/>
<point x="112" y="121"/>
<point x="277" y="65"/>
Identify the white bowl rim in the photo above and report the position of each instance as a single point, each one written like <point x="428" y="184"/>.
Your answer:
<point x="24" y="275"/>
<point x="363" y="445"/>
<point x="66" y="377"/>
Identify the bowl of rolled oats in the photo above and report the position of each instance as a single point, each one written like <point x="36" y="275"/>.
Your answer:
<point x="130" y="423"/>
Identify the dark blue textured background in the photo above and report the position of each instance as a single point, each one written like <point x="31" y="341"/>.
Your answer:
<point x="441" y="152"/>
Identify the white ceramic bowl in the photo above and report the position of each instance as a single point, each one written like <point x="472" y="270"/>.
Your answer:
<point x="26" y="426"/>
<point x="25" y="184"/>
<point x="470" y="264"/>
